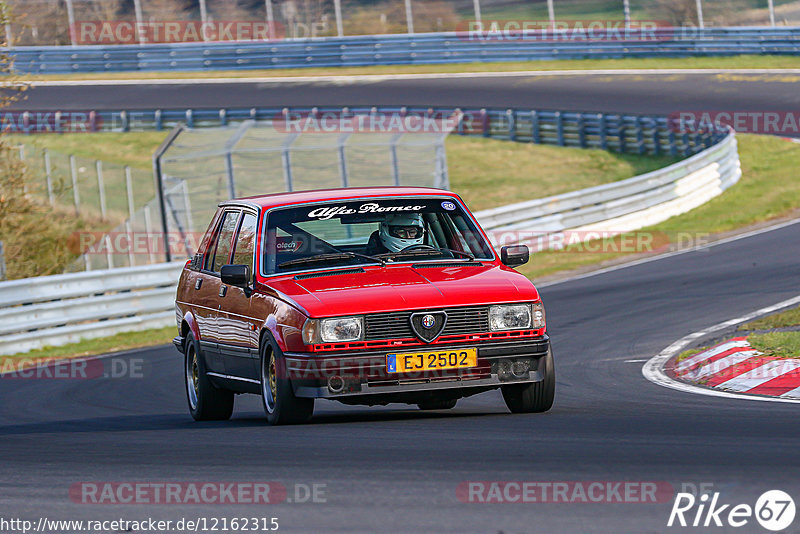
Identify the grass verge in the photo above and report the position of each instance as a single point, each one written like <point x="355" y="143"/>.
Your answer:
<point x="732" y="62"/>
<point x="766" y="191"/>
<point x="781" y="344"/>
<point x="778" y="320"/>
<point x="93" y="347"/>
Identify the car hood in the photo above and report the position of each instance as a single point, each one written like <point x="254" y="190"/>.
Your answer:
<point x="403" y="287"/>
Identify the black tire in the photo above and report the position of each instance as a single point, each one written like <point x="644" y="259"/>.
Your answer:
<point x="535" y="397"/>
<point x="277" y="394"/>
<point x="446" y="404"/>
<point x="206" y="401"/>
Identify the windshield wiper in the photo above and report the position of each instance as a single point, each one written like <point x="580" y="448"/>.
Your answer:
<point x="334" y="256"/>
<point x="427" y="252"/>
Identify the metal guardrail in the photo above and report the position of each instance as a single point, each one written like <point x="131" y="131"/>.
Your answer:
<point x="450" y="47"/>
<point x="638" y="134"/>
<point x="621" y="206"/>
<point x="60" y="309"/>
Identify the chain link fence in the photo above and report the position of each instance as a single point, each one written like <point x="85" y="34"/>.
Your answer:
<point x="49" y="22"/>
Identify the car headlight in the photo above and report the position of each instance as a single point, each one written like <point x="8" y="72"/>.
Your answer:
<point x="335" y="330"/>
<point x="510" y="317"/>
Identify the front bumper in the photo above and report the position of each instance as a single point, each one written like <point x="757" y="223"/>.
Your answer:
<point x="365" y="373"/>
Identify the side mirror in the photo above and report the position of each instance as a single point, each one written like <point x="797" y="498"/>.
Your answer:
<point x="235" y="275"/>
<point x="514" y="255"/>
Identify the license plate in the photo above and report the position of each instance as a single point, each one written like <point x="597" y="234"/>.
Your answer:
<point x="431" y="360"/>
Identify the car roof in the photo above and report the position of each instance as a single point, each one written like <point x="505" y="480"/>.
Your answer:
<point x="303" y="197"/>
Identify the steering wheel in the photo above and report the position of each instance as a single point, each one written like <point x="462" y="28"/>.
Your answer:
<point x="419" y="246"/>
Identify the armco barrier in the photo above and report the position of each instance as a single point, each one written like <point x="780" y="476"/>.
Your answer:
<point x="625" y="205"/>
<point x="448" y="47"/>
<point x="55" y="310"/>
<point x="636" y="134"/>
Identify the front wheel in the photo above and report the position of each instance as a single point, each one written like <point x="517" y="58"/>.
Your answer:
<point x="206" y="401"/>
<point x="280" y="403"/>
<point x="535" y="397"/>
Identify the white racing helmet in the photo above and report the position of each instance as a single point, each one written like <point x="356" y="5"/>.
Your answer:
<point x="401" y="231"/>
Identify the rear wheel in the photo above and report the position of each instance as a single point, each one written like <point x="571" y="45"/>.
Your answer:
<point x="438" y="404"/>
<point x="206" y="401"/>
<point x="537" y="396"/>
<point x="280" y="403"/>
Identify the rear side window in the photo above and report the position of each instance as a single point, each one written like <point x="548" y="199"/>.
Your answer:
<point x="220" y="249"/>
<point x="243" y="253"/>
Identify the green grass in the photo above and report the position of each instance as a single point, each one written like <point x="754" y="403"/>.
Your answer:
<point x="92" y="347"/>
<point x="767" y="190"/>
<point x="777" y="320"/>
<point x="783" y="344"/>
<point x="134" y="149"/>
<point x="488" y="173"/>
<point x="733" y="62"/>
<point x="689" y="353"/>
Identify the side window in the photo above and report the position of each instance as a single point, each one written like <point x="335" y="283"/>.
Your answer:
<point x="220" y="250"/>
<point x="245" y="242"/>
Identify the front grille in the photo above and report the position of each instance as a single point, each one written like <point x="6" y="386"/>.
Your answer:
<point x="397" y="325"/>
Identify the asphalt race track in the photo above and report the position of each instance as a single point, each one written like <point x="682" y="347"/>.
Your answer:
<point x="396" y="469"/>
<point x="630" y="93"/>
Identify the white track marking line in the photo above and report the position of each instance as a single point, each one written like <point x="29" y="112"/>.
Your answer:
<point x="653" y="370"/>
<point x="793" y="394"/>
<point x="721" y="364"/>
<point x="703" y="356"/>
<point x="371" y="78"/>
<point x="759" y="375"/>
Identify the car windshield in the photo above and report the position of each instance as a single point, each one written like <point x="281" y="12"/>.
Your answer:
<point x="372" y="231"/>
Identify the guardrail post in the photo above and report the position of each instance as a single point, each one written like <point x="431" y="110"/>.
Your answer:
<point x="223" y="117"/>
<point x="486" y="123"/>
<point x="48" y="172"/>
<point x="57" y="122"/>
<point x="74" y="172"/>
<point x="536" y="134"/>
<point x="512" y="124"/>
<point x="158" y="120"/>
<point x="126" y="123"/>
<point x="602" y="125"/>
<point x="673" y="147"/>
<point x="581" y="130"/>
<point x="656" y="137"/>
<point x="560" y="128"/>
<point x="189" y="118"/>
<point x="98" y="165"/>
<point x="640" y="136"/>
<point x="253" y="114"/>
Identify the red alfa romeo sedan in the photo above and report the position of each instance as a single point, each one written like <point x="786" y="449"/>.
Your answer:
<point x="366" y="296"/>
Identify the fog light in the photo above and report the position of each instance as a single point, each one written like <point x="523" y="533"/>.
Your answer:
<point x="520" y="368"/>
<point x="504" y="370"/>
<point x="336" y="384"/>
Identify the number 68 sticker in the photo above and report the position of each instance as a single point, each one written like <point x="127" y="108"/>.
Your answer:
<point x="775" y="510"/>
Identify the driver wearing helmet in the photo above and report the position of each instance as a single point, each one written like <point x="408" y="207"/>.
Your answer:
<point x="396" y="233"/>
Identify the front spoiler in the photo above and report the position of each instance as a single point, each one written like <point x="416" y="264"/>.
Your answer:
<point x="488" y="354"/>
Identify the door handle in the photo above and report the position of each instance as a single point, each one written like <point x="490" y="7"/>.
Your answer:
<point x="198" y="283"/>
<point x="223" y="290"/>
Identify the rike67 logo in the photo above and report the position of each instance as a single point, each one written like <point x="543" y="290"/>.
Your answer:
<point x="774" y="510"/>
